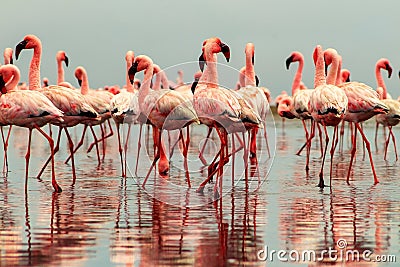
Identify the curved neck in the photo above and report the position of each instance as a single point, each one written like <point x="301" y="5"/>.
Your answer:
<point x="179" y="80"/>
<point x="60" y="71"/>
<point x="157" y="82"/>
<point x="298" y="77"/>
<point x="85" y="83"/>
<point x="129" y="86"/>
<point x="164" y="80"/>
<point x="34" y="68"/>
<point x="339" y="72"/>
<point x="250" y="77"/>
<point x="12" y="84"/>
<point x="319" y="77"/>
<point x="333" y="70"/>
<point x="379" y="80"/>
<point x="242" y="75"/>
<point x="145" y="87"/>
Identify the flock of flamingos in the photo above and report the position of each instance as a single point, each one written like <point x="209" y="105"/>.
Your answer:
<point x="334" y="100"/>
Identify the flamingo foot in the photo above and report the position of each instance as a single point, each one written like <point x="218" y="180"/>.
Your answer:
<point x="200" y="190"/>
<point x="321" y="183"/>
<point x="57" y="188"/>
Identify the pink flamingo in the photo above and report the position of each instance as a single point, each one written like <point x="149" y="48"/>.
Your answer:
<point x="255" y="97"/>
<point x="278" y="99"/>
<point x="392" y="118"/>
<point x="165" y="109"/>
<point x="29" y="109"/>
<point x="100" y="105"/>
<point x="61" y="56"/>
<point x="46" y="82"/>
<point x="125" y="109"/>
<point x="327" y="104"/>
<point x="69" y="101"/>
<point x="8" y="58"/>
<point x="220" y="108"/>
<point x="363" y="104"/>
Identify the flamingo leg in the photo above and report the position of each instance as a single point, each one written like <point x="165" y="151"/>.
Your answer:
<point x="97" y="147"/>
<point x="306" y="132"/>
<point x="203" y="160"/>
<point x="266" y="140"/>
<point x="71" y="149"/>
<point x="367" y="144"/>
<point x="353" y="152"/>
<point x="56" y="148"/>
<point x="321" y="183"/>
<point x="126" y="147"/>
<point x="138" y="148"/>
<point x="27" y="157"/>
<point x="111" y="133"/>
<point x="120" y="149"/>
<point x="5" y="146"/>
<point x="253" y="142"/>
<point x="334" y="143"/>
<point x="320" y="139"/>
<point x="185" y="153"/>
<point x="56" y="187"/>
<point x="341" y="136"/>
<point x="387" y="145"/>
<point x="80" y="143"/>
<point x="156" y="157"/>
<point x="376" y="135"/>
<point x="233" y="160"/>
<point x="394" y="143"/>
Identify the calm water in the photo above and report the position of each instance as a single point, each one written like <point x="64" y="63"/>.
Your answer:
<point x="105" y="220"/>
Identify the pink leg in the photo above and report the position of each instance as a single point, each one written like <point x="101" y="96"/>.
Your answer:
<point x="111" y="133"/>
<point x="126" y="146"/>
<point x="56" y="187"/>
<point x="321" y="183"/>
<point x="71" y="149"/>
<point x="320" y="139"/>
<point x="394" y="143"/>
<point x="97" y="147"/>
<point x="367" y="144"/>
<point x="138" y="148"/>
<point x="80" y="143"/>
<point x="266" y="140"/>
<point x="376" y="136"/>
<point x="353" y="152"/>
<point x="386" y="145"/>
<point x="334" y="143"/>
<point x="157" y="155"/>
<point x="253" y="142"/>
<point x="203" y="160"/>
<point x="27" y="157"/>
<point x="120" y="150"/>
<point x="341" y="136"/>
<point x="5" y="146"/>
<point x="54" y="152"/>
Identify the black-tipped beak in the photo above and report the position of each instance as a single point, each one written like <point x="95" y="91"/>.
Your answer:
<point x="289" y="60"/>
<point x="326" y="69"/>
<point x="389" y="69"/>
<point x="226" y="51"/>
<point x="132" y="71"/>
<point x="2" y="85"/>
<point x="80" y="82"/>
<point x="19" y="48"/>
<point x="257" y="81"/>
<point x="66" y="61"/>
<point x="348" y="79"/>
<point x="252" y="60"/>
<point x="194" y="84"/>
<point x="11" y="60"/>
<point x="399" y="74"/>
<point x="202" y="61"/>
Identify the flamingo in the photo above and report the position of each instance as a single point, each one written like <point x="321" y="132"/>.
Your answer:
<point x="254" y="96"/>
<point x="29" y="109"/>
<point x="8" y="58"/>
<point x="69" y="101"/>
<point x="125" y="109"/>
<point x="392" y="118"/>
<point x="164" y="109"/>
<point x="100" y="105"/>
<point x="278" y="99"/>
<point x="220" y="108"/>
<point x="61" y="56"/>
<point x="363" y="104"/>
<point x="327" y="104"/>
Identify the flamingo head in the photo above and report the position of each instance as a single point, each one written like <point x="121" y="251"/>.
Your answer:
<point x="284" y="108"/>
<point x="384" y="63"/>
<point x="345" y="73"/>
<point x="129" y="56"/>
<point x="79" y="73"/>
<point x="62" y="56"/>
<point x="140" y="63"/>
<point x="8" y="52"/>
<point x="30" y="41"/>
<point x="295" y="56"/>
<point x="45" y="81"/>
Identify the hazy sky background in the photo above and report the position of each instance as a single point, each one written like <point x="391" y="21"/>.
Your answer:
<point x="96" y="34"/>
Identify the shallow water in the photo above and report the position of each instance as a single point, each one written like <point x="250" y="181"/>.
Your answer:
<point x="105" y="220"/>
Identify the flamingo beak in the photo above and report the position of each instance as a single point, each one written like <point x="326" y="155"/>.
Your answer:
<point x="348" y="79"/>
<point x="226" y="51"/>
<point x="289" y="60"/>
<point x="66" y="61"/>
<point x="252" y="60"/>
<point x="202" y="61"/>
<point x="2" y="85"/>
<point x="80" y="82"/>
<point x="389" y="69"/>
<point x="257" y="81"/>
<point x="19" y="47"/>
<point x="132" y="71"/>
<point x="194" y="84"/>
<point x="11" y="60"/>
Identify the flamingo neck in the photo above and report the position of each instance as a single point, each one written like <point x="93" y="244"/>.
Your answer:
<point x="145" y="87"/>
<point x="180" y="78"/>
<point x="319" y="77"/>
<point x="85" y="83"/>
<point x="298" y="77"/>
<point x="250" y="79"/>
<point x="157" y="82"/>
<point x="380" y="81"/>
<point x="339" y="73"/>
<point x="164" y="80"/>
<point x="129" y="86"/>
<point x="60" y="72"/>
<point x="333" y="71"/>
<point x="12" y="84"/>
<point x="34" y="68"/>
<point x="242" y="79"/>
<point x="212" y="75"/>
